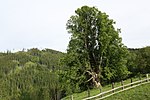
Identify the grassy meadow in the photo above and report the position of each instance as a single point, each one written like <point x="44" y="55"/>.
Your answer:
<point x="139" y="93"/>
<point x="82" y="95"/>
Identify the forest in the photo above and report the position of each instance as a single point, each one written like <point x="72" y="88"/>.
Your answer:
<point x="37" y="75"/>
<point x="30" y="75"/>
<point x="95" y="57"/>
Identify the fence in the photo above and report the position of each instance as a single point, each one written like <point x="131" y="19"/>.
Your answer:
<point x="119" y="89"/>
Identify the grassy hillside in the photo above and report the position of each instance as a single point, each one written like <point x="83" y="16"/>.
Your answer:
<point x="82" y="95"/>
<point x="139" y="93"/>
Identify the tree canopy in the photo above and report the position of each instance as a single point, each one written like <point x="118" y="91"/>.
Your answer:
<point x="95" y="48"/>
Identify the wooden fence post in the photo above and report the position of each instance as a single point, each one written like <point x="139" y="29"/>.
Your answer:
<point x="147" y="77"/>
<point x="140" y="78"/>
<point x="131" y="81"/>
<point x="101" y="90"/>
<point x="88" y="91"/>
<point x="113" y="87"/>
<point x="71" y="97"/>
<point x="122" y="84"/>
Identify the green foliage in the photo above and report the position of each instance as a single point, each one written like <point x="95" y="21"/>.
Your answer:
<point x="29" y="81"/>
<point x="95" y="50"/>
<point x="115" y="63"/>
<point x="24" y="76"/>
<point x="139" y="61"/>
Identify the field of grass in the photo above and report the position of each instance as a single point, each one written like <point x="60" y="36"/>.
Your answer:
<point x="80" y="96"/>
<point x="139" y="93"/>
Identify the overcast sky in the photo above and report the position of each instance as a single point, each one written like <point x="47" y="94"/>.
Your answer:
<point x="42" y="23"/>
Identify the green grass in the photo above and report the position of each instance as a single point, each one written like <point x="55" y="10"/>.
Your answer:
<point x="139" y="93"/>
<point x="80" y="96"/>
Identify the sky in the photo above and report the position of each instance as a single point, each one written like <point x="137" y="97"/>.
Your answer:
<point x="42" y="23"/>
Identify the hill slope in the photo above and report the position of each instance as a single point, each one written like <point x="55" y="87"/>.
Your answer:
<point x="139" y="93"/>
<point x="30" y="75"/>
